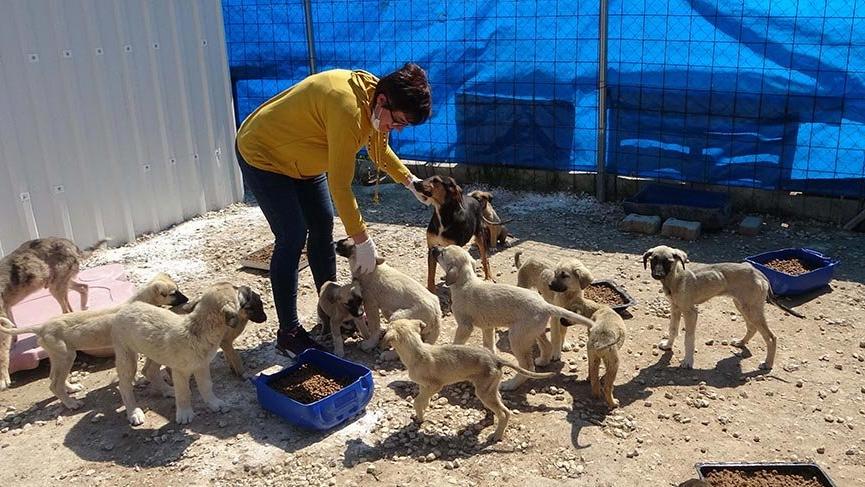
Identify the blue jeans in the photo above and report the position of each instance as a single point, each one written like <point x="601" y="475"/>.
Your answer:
<point x="298" y="211"/>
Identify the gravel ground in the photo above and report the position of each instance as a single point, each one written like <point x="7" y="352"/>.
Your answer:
<point x="811" y="407"/>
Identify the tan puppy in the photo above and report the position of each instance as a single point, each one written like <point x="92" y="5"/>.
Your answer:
<point x="435" y="366"/>
<point x="605" y="338"/>
<point x="342" y="307"/>
<point x="685" y="288"/>
<point x="185" y="343"/>
<point x="86" y="330"/>
<point x="487" y="305"/>
<point x="497" y="233"/>
<point x="570" y="277"/>
<point x="389" y="292"/>
<point x="36" y="264"/>
<point x="534" y="273"/>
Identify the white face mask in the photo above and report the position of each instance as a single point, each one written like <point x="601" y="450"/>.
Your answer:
<point x="375" y="119"/>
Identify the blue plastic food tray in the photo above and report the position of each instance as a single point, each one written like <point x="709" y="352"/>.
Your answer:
<point x="325" y="413"/>
<point x="787" y="285"/>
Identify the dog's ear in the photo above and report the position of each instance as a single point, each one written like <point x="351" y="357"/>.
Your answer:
<point x="451" y="275"/>
<point x="585" y="278"/>
<point x="344" y="247"/>
<point x="681" y="256"/>
<point x="646" y="257"/>
<point x="185" y="308"/>
<point x="230" y="315"/>
<point x="379" y="260"/>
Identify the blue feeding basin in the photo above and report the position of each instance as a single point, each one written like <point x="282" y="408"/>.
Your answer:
<point x="325" y="413"/>
<point x="712" y="209"/>
<point x="821" y="270"/>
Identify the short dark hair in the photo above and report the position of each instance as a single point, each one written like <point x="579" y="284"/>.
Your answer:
<point x="407" y="90"/>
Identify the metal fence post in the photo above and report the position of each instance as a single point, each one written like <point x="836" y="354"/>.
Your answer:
<point x="310" y="38"/>
<point x="601" y="179"/>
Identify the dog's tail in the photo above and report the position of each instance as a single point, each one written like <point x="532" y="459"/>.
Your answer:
<point x="570" y="317"/>
<point x="86" y="253"/>
<point x="9" y="328"/>
<point x="770" y="298"/>
<point x="527" y="373"/>
<point x="517" y="258"/>
<point x="490" y="222"/>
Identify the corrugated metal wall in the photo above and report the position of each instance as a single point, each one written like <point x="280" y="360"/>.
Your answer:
<point x="116" y="118"/>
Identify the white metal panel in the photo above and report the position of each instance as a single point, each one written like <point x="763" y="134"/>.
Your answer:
<point x="116" y="118"/>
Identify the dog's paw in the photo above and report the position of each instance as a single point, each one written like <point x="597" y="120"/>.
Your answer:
<point x="687" y="363"/>
<point x="184" y="416"/>
<point x="494" y="438"/>
<point x="739" y="344"/>
<point x="614" y="404"/>
<point x="541" y="362"/>
<point x="217" y="405"/>
<point x="665" y="344"/>
<point x="73" y="404"/>
<point x="765" y="366"/>
<point x="5" y="382"/>
<point x="136" y="417"/>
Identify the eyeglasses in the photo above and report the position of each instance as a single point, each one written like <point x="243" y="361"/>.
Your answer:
<point x="397" y="123"/>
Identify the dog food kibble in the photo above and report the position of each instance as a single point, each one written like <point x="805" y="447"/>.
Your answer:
<point x="604" y="294"/>
<point x="307" y="384"/>
<point x="760" y="478"/>
<point x="793" y="267"/>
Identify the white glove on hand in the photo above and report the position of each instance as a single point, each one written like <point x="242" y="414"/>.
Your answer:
<point x="410" y="185"/>
<point x="364" y="257"/>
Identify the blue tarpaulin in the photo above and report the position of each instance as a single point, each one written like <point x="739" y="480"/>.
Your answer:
<point x="767" y="95"/>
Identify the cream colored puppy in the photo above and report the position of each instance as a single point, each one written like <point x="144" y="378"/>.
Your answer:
<point x="687" y="287"/>
<point x="534" y="273"/>
<point x="63" y="335"/>
<point x="389" y="292"/>
<point x="569" y="278"/>
<point x="185" y="343"/>
<point x="488" y="305"/>
<point x="435" y="366"/>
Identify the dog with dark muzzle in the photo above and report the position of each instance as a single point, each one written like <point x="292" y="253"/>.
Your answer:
<point x="688" y="286"/>
<point x="340" y="307"/>
<point x="456" y="220"/>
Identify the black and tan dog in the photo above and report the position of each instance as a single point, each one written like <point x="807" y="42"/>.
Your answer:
<point x="456" y="219"/>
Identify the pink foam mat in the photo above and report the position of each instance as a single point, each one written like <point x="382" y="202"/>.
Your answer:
<point x="108" y="287"/>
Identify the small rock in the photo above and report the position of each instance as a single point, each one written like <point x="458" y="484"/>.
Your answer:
<point x="97" y="418"/>
<point x="839" y="367"/>
<point x="834" y="389"/>
<point x="821" y="450"/>
<point x="647" y="404"/>
<point x="668" y="395"/>
<point x="430" y="457"/>
<point x="710" y="342"/>
<point x="800" y="383"/>
<point x="850" y="452"/>
<point x="632" y="453"/>
<point x="371" y="469"/>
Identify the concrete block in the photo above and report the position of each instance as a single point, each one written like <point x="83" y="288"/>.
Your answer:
<point x="648" y="224"/>
<point x="750" y="225"/>
<point x="683" y="229"/>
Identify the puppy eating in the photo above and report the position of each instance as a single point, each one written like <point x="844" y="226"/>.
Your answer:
<point x="50" y="263"/>
<point x="185" y="343"/>
<point x="87" y="330"/>
<point x="435" y="366"/>
<point x="685" y="288"/>
<point x="341" y="307"/>
<point x="390" y="292"/>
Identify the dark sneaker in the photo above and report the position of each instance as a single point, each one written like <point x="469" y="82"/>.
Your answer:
<point x="294" y="342"/>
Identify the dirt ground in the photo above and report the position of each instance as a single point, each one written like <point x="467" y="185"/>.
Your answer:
<point x="811" y="407"/>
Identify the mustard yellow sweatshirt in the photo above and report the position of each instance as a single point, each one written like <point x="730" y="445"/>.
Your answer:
<point x="318" y="126"/>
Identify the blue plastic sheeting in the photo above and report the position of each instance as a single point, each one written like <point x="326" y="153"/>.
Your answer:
<point x="752" y="93"/>
<point x="513" y="83"/>
<point x="758" y="94"/>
